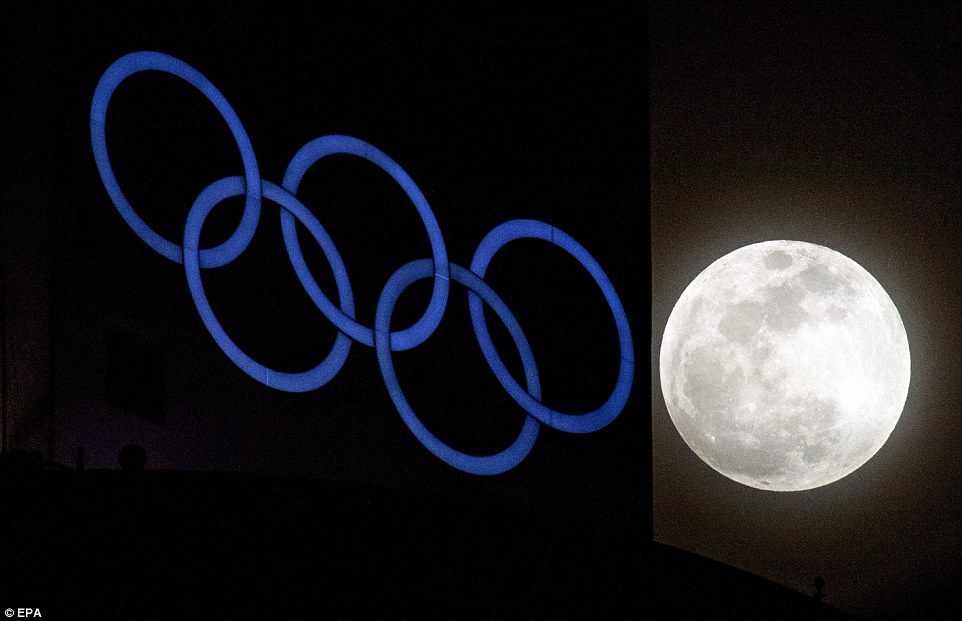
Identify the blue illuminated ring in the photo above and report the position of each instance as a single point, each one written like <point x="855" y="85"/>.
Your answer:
<point x="119" y="71"/>
<point x="572" y="423"/>
<point x="289" y="382"/>
<point x="473" y="464"/>
<point x="300" y="163"/>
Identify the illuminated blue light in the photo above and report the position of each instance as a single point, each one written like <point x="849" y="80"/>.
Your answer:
<point x="381" y="338"/>
<point x="136" y="62"/>
<point x="489" y="464"/>
<point x="573" y="423"/>
<point x="302" y="161"/>
<point x="290" y="382"/>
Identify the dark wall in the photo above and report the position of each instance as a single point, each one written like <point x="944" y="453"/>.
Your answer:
<point x="155" y="545"/>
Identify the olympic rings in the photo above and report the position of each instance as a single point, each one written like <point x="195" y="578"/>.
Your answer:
<point x="379" y="337"/>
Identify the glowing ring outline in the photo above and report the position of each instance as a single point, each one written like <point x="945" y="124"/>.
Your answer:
<point x="572" y="423"/>
<point x="120" y="70"/>
<point x="473" y="464"/>
<point x="302" y="161"/>
<point x="305" y="381"/>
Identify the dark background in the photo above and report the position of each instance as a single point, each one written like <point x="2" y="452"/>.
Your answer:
<point x="837" y="124"/>
<point x="497" y="114"/>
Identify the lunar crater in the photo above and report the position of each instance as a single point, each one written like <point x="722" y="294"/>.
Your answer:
<point x="778" y="260"/>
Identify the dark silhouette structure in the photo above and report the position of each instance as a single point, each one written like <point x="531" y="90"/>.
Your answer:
<point x="132" y="457"/>
<point x="819" y="585"/>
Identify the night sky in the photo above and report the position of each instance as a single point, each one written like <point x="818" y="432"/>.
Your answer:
<point x="837" y="124"/>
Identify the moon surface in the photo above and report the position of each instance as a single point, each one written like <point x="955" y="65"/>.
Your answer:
<point x="785" y="365"/>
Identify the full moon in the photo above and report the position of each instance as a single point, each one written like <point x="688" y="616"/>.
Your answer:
<point x="785" y="365"/>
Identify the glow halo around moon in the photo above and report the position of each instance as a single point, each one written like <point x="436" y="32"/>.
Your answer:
<point x="785" y="365"/>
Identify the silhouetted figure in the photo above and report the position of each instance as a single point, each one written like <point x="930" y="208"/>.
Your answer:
<point x="132" y="457"/>
<point x="819" y="585"/>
